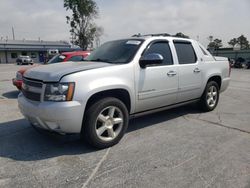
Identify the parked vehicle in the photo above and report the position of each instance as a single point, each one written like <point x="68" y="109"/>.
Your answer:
<point x="63" y="57"/>
<point x="246" y="64"/>
<point x="21" y="60"/>
<point x="69" y="56"/>
<point x="121" y="79"/>
<point x="238" y="63"/>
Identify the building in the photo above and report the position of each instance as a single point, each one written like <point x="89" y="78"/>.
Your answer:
<point x="37" y="50"/>
<point x="231" y="53"/>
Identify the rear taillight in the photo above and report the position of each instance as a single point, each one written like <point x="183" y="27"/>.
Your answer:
<point x="229" y="64"/>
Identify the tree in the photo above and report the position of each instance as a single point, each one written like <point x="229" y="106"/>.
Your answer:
<point x="181" y="35"/>
<point x="210" y="38"/>
<point x="215" y="44"/>
<point x="83" y="30"/>
<point x="243" y="42"/>
<point x="233" y="42"/>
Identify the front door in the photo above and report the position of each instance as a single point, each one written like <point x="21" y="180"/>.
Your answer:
<point x="157" y="84"/>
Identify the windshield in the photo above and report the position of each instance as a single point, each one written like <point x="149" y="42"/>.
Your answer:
<point x="119" y="51"/>
<point x="56" y="59"/>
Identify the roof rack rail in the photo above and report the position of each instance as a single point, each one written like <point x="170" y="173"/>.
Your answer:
<point x="152" y="35"/>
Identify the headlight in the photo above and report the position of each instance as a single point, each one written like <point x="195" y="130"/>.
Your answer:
<point x="19" y="76"/>
<point x="59" y="92"/>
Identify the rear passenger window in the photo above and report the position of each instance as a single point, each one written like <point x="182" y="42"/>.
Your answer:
<point x="185" y="52"/>
<point x="162" y="48"/>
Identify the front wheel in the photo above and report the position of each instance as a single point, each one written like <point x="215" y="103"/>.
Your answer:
<point x="210" y="97"/>
<point x="106" y="122"/>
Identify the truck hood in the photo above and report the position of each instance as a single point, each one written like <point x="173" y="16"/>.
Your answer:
<point x="54" y="72"/>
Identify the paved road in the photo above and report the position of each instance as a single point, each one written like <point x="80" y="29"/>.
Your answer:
<point x="175" y="148"/>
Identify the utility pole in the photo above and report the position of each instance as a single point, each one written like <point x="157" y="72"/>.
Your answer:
<point x="13" y="33"/>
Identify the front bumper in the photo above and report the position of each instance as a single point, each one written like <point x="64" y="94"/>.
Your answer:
<point x="17" y="83"/>
<point x="61" y="117"/>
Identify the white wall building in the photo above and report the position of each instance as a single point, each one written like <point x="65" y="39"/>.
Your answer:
<point x="10" y="50"/>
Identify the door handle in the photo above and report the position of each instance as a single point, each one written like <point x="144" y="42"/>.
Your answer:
<point x="171" y="73"/>
<point x="197" y="70"/>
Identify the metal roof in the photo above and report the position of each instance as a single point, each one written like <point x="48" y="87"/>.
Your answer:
<point x="32" y="45"/>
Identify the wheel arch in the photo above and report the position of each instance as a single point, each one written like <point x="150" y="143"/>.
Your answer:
<point x="215" y="78"/>
<point x="120" y="93"/>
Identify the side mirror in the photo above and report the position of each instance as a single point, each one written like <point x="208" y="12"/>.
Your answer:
<point x="151" y="59"/>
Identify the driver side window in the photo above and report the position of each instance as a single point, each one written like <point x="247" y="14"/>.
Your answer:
<point x="163" y="49"/>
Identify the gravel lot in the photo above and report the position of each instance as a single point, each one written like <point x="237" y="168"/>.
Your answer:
<point x="176" y="148"/>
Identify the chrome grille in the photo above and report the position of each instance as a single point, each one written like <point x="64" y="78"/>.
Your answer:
<point x="32" y="89"/>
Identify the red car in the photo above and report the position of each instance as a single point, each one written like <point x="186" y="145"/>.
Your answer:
<point x="63" y="57"/>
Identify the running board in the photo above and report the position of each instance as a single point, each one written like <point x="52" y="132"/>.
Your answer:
<point x="162" y="108"/>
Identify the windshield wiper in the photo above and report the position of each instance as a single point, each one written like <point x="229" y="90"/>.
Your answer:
<point x="100" y="60"/>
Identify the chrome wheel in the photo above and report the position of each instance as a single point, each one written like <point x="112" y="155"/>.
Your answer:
<point x="212" y="96"/>
<point x="109" y="123"/>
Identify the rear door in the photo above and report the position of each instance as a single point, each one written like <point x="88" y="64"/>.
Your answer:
<point x="157" y="84"/>
<point x="190" y="78"/>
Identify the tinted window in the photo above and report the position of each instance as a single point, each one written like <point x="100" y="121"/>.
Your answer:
<point x="13" y="55"/>
<point x="76" y="58"/>
<point x="24" y="53"/>
<point x="163" y="49"/>
<point x="185" y="53"/>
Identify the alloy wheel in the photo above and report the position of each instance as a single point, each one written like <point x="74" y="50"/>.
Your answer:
<point x="212" y="96"/>
<point x="109" y="123"/>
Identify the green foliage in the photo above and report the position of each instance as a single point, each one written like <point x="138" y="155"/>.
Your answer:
<point x="241" y="41"/>
<point x="83" y="29"/>
<point x="233" y="42"/>
<point x="215" y="44"/>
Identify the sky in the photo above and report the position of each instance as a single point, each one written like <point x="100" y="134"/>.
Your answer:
<point x="198" y="19"/>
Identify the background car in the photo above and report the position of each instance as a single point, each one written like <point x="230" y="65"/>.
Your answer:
<point x="63" y="57"/>
<point x="69" y="56"/>
<point x="246" y="64"/>
<point x="24" y="60"/>
<point x="238" y="63"/>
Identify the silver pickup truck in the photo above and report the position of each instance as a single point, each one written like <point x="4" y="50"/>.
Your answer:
<point x="122" y="79"/>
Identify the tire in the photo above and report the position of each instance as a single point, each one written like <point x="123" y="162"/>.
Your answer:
<point x="100" y="117"/>
<point x="210" y="97"/>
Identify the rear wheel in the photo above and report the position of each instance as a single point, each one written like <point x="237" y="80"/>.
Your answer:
<point x="210" y="97"/>
<point x="106" y="122"/>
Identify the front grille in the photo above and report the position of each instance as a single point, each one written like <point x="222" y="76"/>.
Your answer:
<point x="32" y="89"/>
